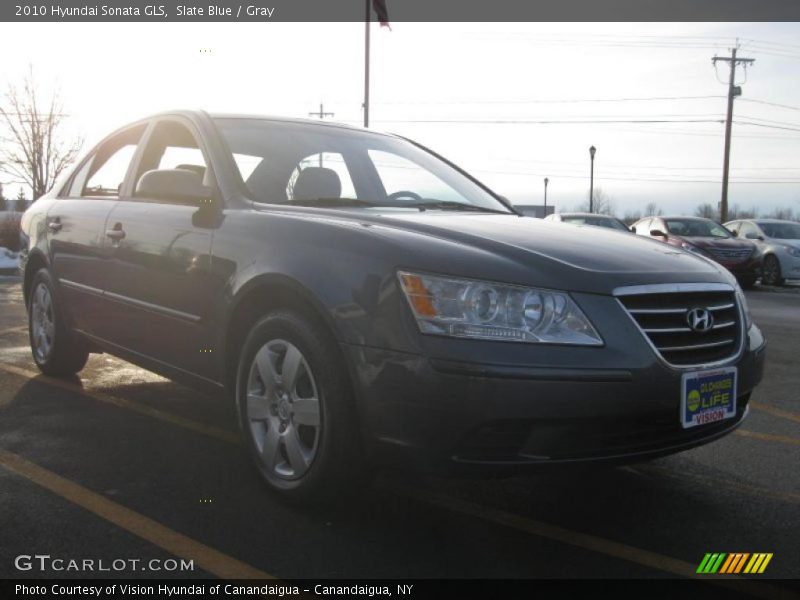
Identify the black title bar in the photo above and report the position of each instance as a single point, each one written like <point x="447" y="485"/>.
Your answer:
<point x="399" y="10"/>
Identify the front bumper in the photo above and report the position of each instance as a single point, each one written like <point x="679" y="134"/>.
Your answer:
<point x="453" y="416"/>
<point x="790" y="265"/>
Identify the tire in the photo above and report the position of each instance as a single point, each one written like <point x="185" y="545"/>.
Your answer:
<point x="771" y="271"/>
<point x="296" y="410"/>
<point x="747" y="282"/>
<point x="56" y="350"/>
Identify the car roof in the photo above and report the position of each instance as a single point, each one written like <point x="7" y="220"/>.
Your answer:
<point x="262" y="117"/>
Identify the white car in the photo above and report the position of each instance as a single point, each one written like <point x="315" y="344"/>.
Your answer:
<point x="579" y="218"/>
<point x="779" y="244"/>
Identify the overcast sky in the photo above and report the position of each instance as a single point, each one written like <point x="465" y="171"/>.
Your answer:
<point x="447" y="85"/>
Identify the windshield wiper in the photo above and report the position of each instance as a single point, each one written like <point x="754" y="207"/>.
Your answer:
<point x="451" y="205"/>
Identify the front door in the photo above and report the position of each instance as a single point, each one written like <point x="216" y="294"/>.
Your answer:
<point x="161" y="288"/>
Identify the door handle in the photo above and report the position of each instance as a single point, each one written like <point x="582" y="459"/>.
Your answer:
<point x="115" y="234"/>
<point x="54" y="225"/>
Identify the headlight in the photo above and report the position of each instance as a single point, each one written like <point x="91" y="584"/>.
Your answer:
<point x="693" y="248"/>
<point x="491" y="311"/>
<point x="792" y="250"/>
<point x="748" y="320"/>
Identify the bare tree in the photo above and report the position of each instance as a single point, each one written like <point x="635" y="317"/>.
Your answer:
<point x="34" y="151"/>
<point x="784" y="213"/>
<point x="706" y="210"/>
<point x="735" y="213"/>
<point x="603" y="204"/>
<point x="631" y="216"/>
<point x="652" y="210"/>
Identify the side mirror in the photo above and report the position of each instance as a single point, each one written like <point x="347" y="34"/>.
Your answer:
<point x="178" y="185"/>
<point x="754" y="236"/>
<point x="658" y="233"/>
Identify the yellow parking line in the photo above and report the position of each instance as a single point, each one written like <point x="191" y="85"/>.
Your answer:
<point x="717" y="481"/>
<point x="587" y="541"/>
<point x="142" y="409"/>
<point x="768" y="437"/>
<point x="177" y="544"/>
<point x="13" y="330"/>
<point x="777" y="412"/>
<point x="541" y="529"/>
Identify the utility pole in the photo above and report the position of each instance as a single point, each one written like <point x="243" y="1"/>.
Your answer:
<point x="321" y="114"/>
<point x="546" y="181"/>
<point x="592" y="151"/>
<point x="733" y="91"/>
<point x="367" y="19"/>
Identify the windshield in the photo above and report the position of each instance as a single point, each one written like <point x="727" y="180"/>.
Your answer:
<point x="609" y="222"/>
<point x="696" y="228"/>
<point x="317" y="165"/>
<point x="781" y="231"/>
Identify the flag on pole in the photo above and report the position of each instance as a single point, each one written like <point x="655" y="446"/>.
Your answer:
<point x="380" y="11"/>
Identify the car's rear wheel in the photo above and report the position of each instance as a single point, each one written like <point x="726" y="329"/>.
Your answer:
<point x="56" y="349"/>
<point x="296" y="409"/>
<point x="771" y="271"/>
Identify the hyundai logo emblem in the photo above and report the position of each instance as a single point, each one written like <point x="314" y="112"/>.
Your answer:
<point x="700" y="320"/>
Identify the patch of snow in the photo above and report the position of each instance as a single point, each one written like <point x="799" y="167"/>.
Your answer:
<point x="8" y="259"/>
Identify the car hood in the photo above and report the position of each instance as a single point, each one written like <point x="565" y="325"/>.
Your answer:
<point x="712" y="242"/>
<point x="595" y="249"/>
<point x="785" y="242"/>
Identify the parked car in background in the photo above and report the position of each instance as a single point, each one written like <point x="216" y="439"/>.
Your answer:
<point x="778" y="243"/>
<point x="365" y="302"/>
<point x="706" y="238"/>
<point x="580" y="218"/>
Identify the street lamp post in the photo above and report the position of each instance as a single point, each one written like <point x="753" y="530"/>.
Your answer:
<point x="546" y="181"/>
<point x="592" y="150"/>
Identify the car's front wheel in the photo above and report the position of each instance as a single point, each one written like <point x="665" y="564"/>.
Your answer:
<point x="56" y="349"/>
<point x="296" y="409"/>
<point x="771" y="271"/>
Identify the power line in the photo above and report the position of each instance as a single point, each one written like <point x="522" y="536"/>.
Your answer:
<point x="547" y="121"/>
<point x="787" y="106"/>
<point x="768" y="126"/>
<point x="549" y="101"/>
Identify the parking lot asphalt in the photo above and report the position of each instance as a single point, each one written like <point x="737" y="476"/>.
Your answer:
<point x="123" y="464"/>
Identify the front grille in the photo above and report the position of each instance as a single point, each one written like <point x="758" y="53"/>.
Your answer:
<point x="735" y="254"/>
<point x="663" y="318"/>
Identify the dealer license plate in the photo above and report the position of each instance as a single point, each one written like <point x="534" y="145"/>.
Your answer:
<point x="708" y="396"/>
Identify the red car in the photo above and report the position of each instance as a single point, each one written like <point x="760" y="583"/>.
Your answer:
<point x="707" y="238"/>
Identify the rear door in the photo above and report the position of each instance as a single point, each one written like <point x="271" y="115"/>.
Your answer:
<point x="161" y="287"/>
<point x="76" y="227"/>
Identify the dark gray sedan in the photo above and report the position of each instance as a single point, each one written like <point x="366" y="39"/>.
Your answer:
<point x="365" y="302"/>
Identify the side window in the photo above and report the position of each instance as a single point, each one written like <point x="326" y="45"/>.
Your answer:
<point x="104" y="172"/>
<point x="173" y="146"/>
<point x="748" y="231"/>
<point x="332" y="161"/>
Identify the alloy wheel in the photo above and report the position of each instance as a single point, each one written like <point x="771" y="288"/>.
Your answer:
<point x="42" y="322"/>
<point x="772" y="271"/>
<point x="283" y="410"/>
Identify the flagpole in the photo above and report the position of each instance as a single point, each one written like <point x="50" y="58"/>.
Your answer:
<point x="367" y="19"/>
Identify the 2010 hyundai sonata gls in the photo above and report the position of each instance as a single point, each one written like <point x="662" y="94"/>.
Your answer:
<point x="366" y="302"/>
